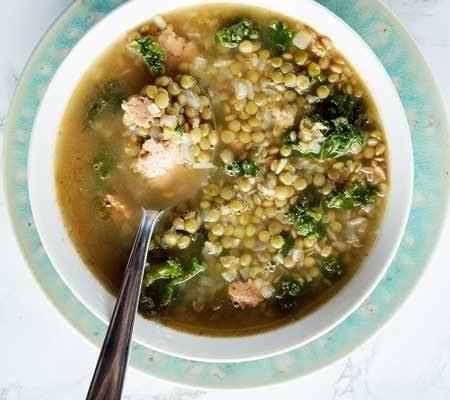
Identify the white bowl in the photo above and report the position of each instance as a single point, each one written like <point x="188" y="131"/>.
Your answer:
<point x="77" y="276"/>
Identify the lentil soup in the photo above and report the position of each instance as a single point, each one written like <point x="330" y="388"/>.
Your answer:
<point x="262" y="138"/>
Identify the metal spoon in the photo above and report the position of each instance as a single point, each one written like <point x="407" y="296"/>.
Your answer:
<point x="107" y="382"/>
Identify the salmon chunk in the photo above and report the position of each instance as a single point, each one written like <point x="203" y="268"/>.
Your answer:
<point x="177" y="47"/>
<point x="140" y="111"/>
<point x="158" y="156"/>
<point x="245" y="294"/>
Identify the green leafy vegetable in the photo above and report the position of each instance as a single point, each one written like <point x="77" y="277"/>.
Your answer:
<point x="332" y="269"/>
<point x="280" y="36"/>
<point x="343" y="117"/>
<point x="339" y="139"/>
<point x="231" y="36"/>
<point x="288" y="244"/>
<point x="196" y="268"/>
<point x="287" y="292"/>
<point x="344" y="106"/>
<point x="160" y="283"/>
<point x="305" y="220"/>
<point x="336" y="199"/>
<point x="153" y="55"/>
<point x="110" y="94"/>
<point x="242" y="168"/>
<point x="154" y="297"/>
<point x="359" y="194"/>
<point x="103" y="163"/>
<point x="171" y="269"/>
<point x="179" y="130"/>
<point x="363" y="194"/>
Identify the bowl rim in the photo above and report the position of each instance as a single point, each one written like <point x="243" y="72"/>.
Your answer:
<point x="212" y="348"/>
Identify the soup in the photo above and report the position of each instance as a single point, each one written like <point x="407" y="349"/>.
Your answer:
<point x="263" y="143"/>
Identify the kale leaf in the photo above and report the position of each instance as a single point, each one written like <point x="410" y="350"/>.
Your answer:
<point x="110" y="94"/>
<point x="231" y="36"/>
<point x="346" y="106"/>
<point x="363" y="194"/>
<point x="287" y="292"/>
<point x="242" y="168"/>
<point x="332" y="269"/>
<point x="288" y="244"/>
<point x="103" y="163"/>
<point x="279" y="36"/>
<point x="153" y="55"/>
<point x="179" y="130"/>
<point x="343" y="118"/>
<point x="340" y="136"/>
<point x="160" y="283"/>
<point x="305" y="220"/>
<point x="196" y="268"/>
<point x="359" y="194"/>
<point x="171" y="269"/>
<point x="154" y="297"/>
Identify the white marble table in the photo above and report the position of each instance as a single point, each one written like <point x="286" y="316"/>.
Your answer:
<point x="42" y="357"/>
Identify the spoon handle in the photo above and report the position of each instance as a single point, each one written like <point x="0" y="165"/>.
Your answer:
<point x="109" y="375"/>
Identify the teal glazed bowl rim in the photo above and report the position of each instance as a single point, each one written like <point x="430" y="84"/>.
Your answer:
<point x="430" y="140"/>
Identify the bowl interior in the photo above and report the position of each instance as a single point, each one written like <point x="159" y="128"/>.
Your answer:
<point x="77" y="276"/>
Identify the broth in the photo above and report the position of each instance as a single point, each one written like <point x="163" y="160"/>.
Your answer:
<point x="288" y="213"/>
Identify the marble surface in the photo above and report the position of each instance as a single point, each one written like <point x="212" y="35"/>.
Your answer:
<point x="44" y="358"/>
